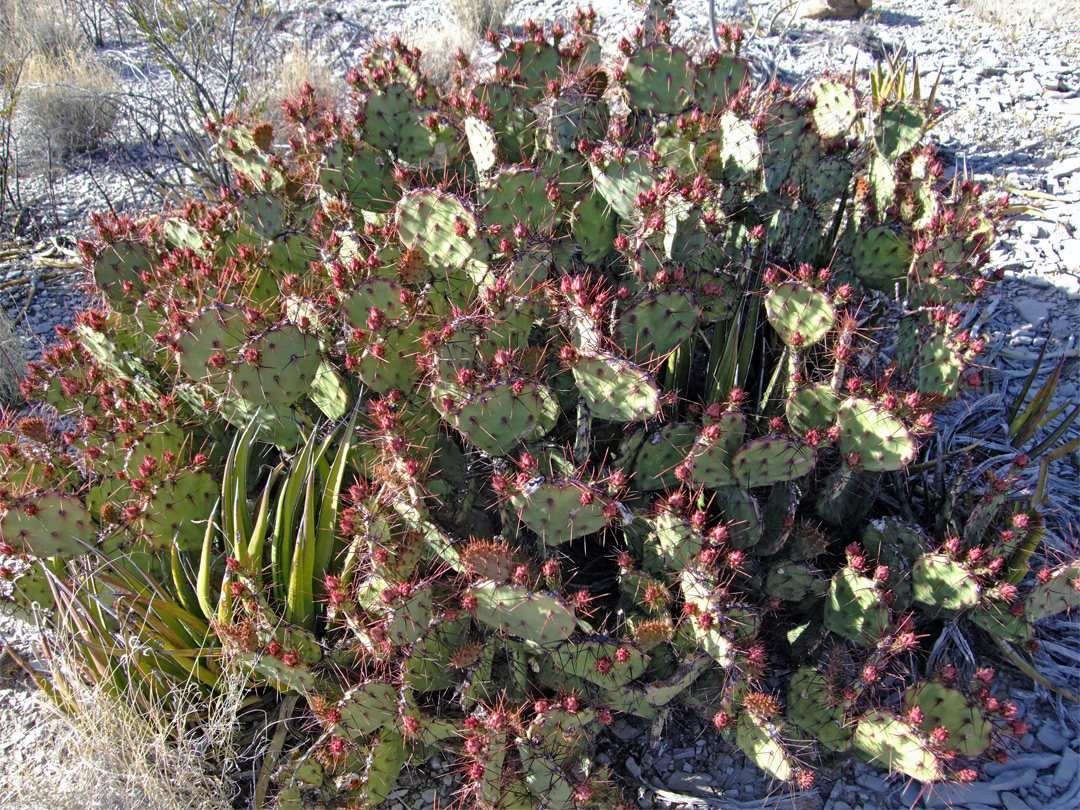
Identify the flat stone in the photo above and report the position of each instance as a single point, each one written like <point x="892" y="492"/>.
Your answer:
<point x="1032" y="310"/>
<point x="1068" y="251"/>
<point x="834" y="9"/>
<point x="952" y="795"/>
<point x="1013" y="802"/>
<point x="1064" y="168"/>
<point x="689" y="782"/>
<point x="873" y="783"/>
<point x="1065" y="772"/>
<point x="1039" y="762"/>
<point x="1013" y="780"/>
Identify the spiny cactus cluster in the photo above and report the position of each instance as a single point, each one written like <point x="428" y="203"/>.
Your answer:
<point x="480" y="416"/>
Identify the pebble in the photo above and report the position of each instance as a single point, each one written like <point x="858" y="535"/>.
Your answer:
<point x="1039" y="762"/>
<point x="1065" y="772"/>
<point x="950" y="795"/>
<point x="632" y="767"/>
<point x="1012" y="780"/>
<point x="1013" y="802"/>
<point x="1032" y="310"/>
<point x="689" y="782"/>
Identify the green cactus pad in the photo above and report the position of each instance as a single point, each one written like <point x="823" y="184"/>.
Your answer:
<point x="502" y="415"/>
<point x="30" y="593"/>
<point x="483" y="144"/>
<point x="535" y="617"/>
<point x="942" y="584"/>
<point x="711" y="460"/>
<point x="969" y="731"/>
<point x="178" y="510"/>
<point x="596" y="662"/>
<point x="814" y="709"/>
<point x="881" y="258"/>
<point x="940" y="366"/>
<point x="741" y="514"/>
<point x="620" y="182"/>
<point x="995" y="616"/>
<point x="676" y="540"/>
<point x="430" y="221"/>
<point x="383" y="294"/>
<point x="794" y="582"/>
<point x="518" y="195"/>
<point x="59" y="526"/>
<point x="893" y="743"/>
<point x="615" y="389"/>
<point x="288" y="360"/>
<point x="594" y="227"/>
<point x="123" y="263"/>
<point x="217" y="330"/>
<point x="275" y="673"/>
<point x="407" y="622"/>
<point x="529" y="67"/>
<point x="836" y="110"/>
<point x="882" y="441"/>
<point x="812" y="408"/>
<point x="770" y="460"/>
<point x="366" y="709"/>
<point x="364" y="176"/>
<point x="881" y="178"/>
<point x="656" y="324"/>
<point x="396" y="368"/>
<point x="785" y="130"/>
<point x="651" y="457"/>
<point x="854" y="608"/>
<point x="237" y="145"/>
<point x="897" y="130"/>
<point x="738" y="158"/>
<point x="554" y="510"/>
<point x="659" y="79"/>
<point x="716" y="84"/>
<point x="800" y="314"/>
<point x="1058" y="594"/>
<point x="765" y="748"/>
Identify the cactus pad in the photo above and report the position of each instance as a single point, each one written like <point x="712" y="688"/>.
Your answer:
<point x="799" y="313"/>
<point x="880" y="440"/>
<point x="536" y="617"/>
<point x="51" y="525"/>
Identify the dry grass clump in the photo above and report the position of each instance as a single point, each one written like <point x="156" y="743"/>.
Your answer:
<point x="70" y="100"/>
<point x="284" y="79"/>
<point x="67" y="95"/>
<point x="477" y="16"/>
<point x="1049" y="15"/>
<point x="106" y="753"/>
<point x="12" y="363"/>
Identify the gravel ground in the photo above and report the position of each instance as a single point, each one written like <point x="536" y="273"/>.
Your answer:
<point x="1013" y="91"/>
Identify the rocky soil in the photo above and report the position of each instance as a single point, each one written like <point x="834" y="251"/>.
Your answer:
<point x="1013" y="91"/>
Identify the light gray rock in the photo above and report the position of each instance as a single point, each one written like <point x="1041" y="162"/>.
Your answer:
<point x="1014" y="780"/>
<point x="1039" y="762"/>
<point x="960" y="795"/>
<point x="1066" y="769"/>
<point x="1068" y="252"/>
<point x="689" y="782"/>
<point x="834" y="9"/>
<point x="1013" y="802"/>
<point x="1032" y="310"/>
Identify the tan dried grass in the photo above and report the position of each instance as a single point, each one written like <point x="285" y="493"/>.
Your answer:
<point x="70" y="100"/>
<point x="104" y="753"/>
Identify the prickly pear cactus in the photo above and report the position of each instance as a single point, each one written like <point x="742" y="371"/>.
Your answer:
<point x="472" y="418"/>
